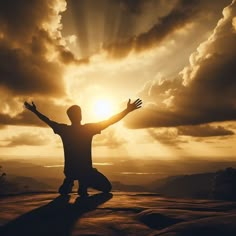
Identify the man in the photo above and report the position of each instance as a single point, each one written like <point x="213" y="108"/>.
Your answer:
<point x="77" y="142"/>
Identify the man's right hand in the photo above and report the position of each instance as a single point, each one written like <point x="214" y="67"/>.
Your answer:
<point x="30" y="107"/>
<point x="135" y="105"/>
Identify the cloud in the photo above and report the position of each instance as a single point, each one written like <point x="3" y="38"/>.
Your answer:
<point x="204" y="131"/>
<point x="124" y="26"/>
<point x="54" y="111"/>
<point x="23" y="73"/>
<point x="167" y="136"/>
<point x="175" y="19"/>
<point x="32" y="50"/>
<point x="33" y="58"/>
<point x="20" y="20"/>
<point x="204" y="91"/>
<point x="179" y="135"/>
<point x="180" y="14"/>
<point x="67" y="57"/>
<point x="28" y="139"/>
<point x="24" y="118"/>
<point x="109" y="139"/>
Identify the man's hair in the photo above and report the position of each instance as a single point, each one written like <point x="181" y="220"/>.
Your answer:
<point x="73" y="111"/>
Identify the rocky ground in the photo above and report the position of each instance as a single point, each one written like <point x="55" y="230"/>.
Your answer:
<point x="120" y="213"/>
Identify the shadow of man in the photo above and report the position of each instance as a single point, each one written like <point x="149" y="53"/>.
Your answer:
<point x="56" y="218"/>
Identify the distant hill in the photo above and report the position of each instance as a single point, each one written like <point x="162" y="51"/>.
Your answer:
<point x="185" y="186"/>
<point x="27" y="169"/>
<point x="18" y="184"/>
<point x="131" y="175"/>
<point x="217" y="185"/>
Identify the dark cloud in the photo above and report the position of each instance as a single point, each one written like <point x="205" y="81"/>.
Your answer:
<point x="32" y="59"/>
<point x="20" y="19"/>
<point x="204" y="131"/>
<point x="28" y="139"/>
<point x="175" y="136"/>
<point x="67" y="57"/>
<point x="204" y="92"/>
<point x="176" y="18"/>
<point x="155" y="117"/>
<point x="28" y="73"/>
<point x="182" y="13"/>
<point x="113" y="25"/>
<point x="123" y="26"/>
<point x="31" y="49"/>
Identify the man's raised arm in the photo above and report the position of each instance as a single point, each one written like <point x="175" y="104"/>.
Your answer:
<point x="40" y="115"/>
<point x="130" y="107"/>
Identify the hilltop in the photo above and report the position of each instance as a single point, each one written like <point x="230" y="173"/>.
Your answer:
<point x="118" y="214"/>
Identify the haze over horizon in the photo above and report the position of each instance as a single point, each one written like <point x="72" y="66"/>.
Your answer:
<point x="178" y="56"/>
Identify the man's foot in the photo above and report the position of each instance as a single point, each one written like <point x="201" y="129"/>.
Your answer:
<point x="66" y="188"/>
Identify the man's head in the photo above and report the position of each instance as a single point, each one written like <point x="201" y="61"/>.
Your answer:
<point x="74" y="113"/>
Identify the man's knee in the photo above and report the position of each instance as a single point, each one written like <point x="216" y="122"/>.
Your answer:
<point x="107" y="187"/>
<point x="100" y="182"/>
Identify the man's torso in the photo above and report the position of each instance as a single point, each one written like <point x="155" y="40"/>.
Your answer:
<point x="77" y="143"/>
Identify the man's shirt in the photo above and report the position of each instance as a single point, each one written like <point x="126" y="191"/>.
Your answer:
<point x="77" y="143"/>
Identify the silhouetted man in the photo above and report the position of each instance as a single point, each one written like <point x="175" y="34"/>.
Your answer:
<point x="77" y="141"/>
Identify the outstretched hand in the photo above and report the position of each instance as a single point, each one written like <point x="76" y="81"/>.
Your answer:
<point x="135" y="105"/>
<point x="30" y="107"/>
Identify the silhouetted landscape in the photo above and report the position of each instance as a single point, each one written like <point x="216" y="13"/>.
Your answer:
<point x="188" y="204"/>
<point x="166" y="206"/>
<point x="176" y="179"/>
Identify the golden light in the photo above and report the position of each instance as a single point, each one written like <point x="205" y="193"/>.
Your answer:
<point x="102" y="109"/>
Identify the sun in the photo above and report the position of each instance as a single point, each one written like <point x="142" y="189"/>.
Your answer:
<point x="102" y="109"/>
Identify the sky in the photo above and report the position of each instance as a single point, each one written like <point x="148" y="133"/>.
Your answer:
<point x="178" y="56"/>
